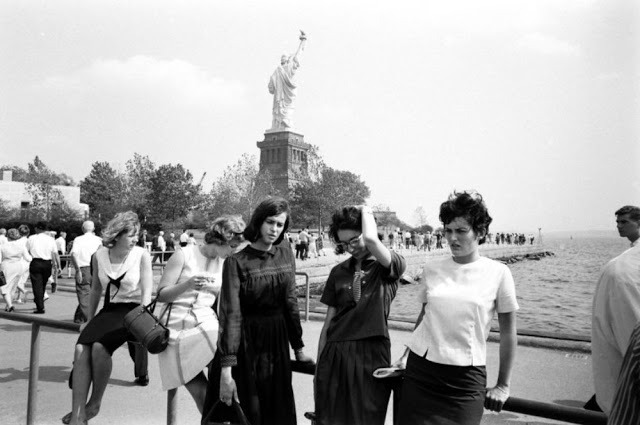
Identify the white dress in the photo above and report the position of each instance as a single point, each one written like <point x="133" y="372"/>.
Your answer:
<point x="14" y="256"/>
<point x="193" y="324"/>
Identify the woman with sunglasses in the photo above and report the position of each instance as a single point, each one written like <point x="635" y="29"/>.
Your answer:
<point x="445" y="380"/>
<point x="354" y="341"/>
<point x="189" y="285"/>
<point x="259" y="318"/>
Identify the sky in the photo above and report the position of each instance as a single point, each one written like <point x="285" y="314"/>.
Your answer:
<point x="534" y="104"/>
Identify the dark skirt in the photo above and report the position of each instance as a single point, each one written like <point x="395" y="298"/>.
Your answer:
<point x="262" y="375"/>
<point x="439" y="394"/>
<point x="107" y="327"/>
<point x="346" y="391"/>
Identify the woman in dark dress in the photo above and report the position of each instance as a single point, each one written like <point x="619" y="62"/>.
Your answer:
<point x="259" y="318"/>
<point x="354" y="341"/>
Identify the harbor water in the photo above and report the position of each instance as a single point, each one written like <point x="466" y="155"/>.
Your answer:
<point x="554" y="293"/>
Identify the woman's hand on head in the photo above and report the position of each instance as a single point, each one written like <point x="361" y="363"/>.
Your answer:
<point x="496" y="397"/>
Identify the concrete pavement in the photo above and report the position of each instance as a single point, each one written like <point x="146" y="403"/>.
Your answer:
<point x="560" y="376"/>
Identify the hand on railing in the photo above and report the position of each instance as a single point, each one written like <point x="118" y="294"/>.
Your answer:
<point x="496" y="397"/>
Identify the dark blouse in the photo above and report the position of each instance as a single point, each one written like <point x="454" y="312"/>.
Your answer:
<point x="257" y="283"/>
<point x="368" y="317"/>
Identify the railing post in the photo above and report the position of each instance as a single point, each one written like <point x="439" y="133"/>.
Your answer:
<point x="306" y="306"/>
<point x="34" y="368"/>
<point x="172" y="403"/>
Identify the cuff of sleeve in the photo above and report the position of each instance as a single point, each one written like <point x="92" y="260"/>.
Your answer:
<point x="229" y="360"/>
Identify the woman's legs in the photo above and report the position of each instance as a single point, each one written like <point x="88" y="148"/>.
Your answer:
<point x="197" y="387"/>
<point x="81" y="381"/>
<point x="102" y="363"/>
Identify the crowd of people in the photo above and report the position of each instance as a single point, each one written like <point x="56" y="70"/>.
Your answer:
<point x="231" y="307"/>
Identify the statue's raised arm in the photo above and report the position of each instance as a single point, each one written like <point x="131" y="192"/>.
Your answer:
<point x="282" y="86"/>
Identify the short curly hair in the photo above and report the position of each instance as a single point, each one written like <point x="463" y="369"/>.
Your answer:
<point x="470" y="206"/>
<point x="267" y="208"/>
<point x="225" y="229"/>
<point x="347" y="218"/>
<point x="24" y="230"/>
<point x="123" y="222"/>
<point x="13" y="234"/>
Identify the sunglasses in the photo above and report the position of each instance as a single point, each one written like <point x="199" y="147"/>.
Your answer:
<point x="353" y="243"/>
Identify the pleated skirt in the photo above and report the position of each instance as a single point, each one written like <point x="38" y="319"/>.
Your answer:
<point x="439" y="394"/>
<point x="346" y="391"/>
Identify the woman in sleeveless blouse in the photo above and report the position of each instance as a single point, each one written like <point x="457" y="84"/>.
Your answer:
<point x="124" y="269"/>
<point x="190" y="284"/>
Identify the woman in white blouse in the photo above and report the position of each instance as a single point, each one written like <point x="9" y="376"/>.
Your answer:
<point x="445" y="376"/>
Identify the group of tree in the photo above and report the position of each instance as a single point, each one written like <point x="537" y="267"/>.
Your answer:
<point x="167" y="196"/>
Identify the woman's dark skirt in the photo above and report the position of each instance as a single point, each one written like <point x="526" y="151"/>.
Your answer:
<point x="439" y="394"/>
<point x="107" y="327"/>
<point x="263" y="373"/>
<point x="346" y="391"/>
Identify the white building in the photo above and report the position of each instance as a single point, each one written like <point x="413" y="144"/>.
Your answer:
<point x="16" y="195"/>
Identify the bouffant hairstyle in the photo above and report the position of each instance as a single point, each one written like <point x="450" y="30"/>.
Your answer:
<point x="267" y="208"/>
<point x="123" y="223"/>
<point x="13" y="234"/>
<point x="24" y="230"/>
<point x="225" y="229"/>
<point x="348" y="218"/>
<point x="633" y="211"/>
<point x="470" y="206"/>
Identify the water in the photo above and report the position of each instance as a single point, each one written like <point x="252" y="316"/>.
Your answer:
<point x="554" y="293"/>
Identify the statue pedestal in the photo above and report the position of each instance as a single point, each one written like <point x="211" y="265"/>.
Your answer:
<point x="283" y="153"/>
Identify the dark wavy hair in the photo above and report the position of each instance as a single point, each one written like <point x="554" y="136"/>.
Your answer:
<point x="470" y="206"/>
<point x="632" y="210"/>
<point x="267" y="208"/>
<point x="348" y="218"/>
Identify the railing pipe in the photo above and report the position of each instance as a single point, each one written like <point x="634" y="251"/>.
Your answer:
<point x="307" y="294"/>
<point x="34" y="369"/>
<point x="172" y="406"/>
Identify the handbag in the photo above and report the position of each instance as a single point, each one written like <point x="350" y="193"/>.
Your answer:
<point x="221" y="414"/>
<point x="3" y="279"/>
<point x="146" y="328"/>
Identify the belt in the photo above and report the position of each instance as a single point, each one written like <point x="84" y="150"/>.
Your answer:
<point x="41" y="259"/>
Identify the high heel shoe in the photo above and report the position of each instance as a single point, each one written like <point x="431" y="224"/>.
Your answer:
<point x="9" y="309"/>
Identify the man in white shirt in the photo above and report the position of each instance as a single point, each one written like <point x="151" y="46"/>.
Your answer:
<point x="44" y="251"/>
<point x="616" y="309"/>
<point x="83" y="248"/>
<point x="3" y="236"/>
<point x="61" y="243"/>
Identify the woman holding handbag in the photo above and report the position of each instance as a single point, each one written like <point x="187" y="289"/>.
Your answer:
<point x="259" y="319"/>
<point x="189" y="285"/>
<point x="125" y="270"/>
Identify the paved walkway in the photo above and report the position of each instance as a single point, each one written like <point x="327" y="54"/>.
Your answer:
<point x="554" y="376"/>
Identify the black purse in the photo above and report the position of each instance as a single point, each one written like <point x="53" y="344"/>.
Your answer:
<point x="146" y="327"/>
<point x="3" y="279"/>
<point x="221" y="414"/>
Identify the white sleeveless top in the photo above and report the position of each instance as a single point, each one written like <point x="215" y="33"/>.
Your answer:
<point x="129" y="291"/>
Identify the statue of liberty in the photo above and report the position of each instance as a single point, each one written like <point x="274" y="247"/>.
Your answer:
<point x="282" y="86"/>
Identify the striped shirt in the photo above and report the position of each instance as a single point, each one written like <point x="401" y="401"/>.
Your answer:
<point x="626" y="402"/>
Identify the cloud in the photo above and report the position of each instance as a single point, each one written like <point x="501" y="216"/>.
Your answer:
<point x="548" y="45"/>
<point x="176" y="81"/>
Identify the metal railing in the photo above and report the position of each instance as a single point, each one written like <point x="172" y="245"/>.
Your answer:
<point x="307" y="294"/>
<point x="513" y="404"/>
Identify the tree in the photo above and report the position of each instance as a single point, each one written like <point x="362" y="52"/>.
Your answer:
<point x="240" y="189"/>
<point x="103" y="190"/>
<point x="139" y="172"/>
<point x="173" y="193"/>
<point x="420" y="216"/>
<point x="316" y="200"/>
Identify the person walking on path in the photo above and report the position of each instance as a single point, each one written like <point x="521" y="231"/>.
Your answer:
<point x="83" y="248"/>
<point x="125" y="270"/>
<point x="12" y="255"/>
<point x="616" y="309"/>
<point x="61" y="243"/>
<point x="445" y="379"/>
<point x="24" y="231"/>
<point x="354" y="340"/>
<point x="190" y="285"/>
<point x="259" y="318"/>
<point x="44" y="253"/>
